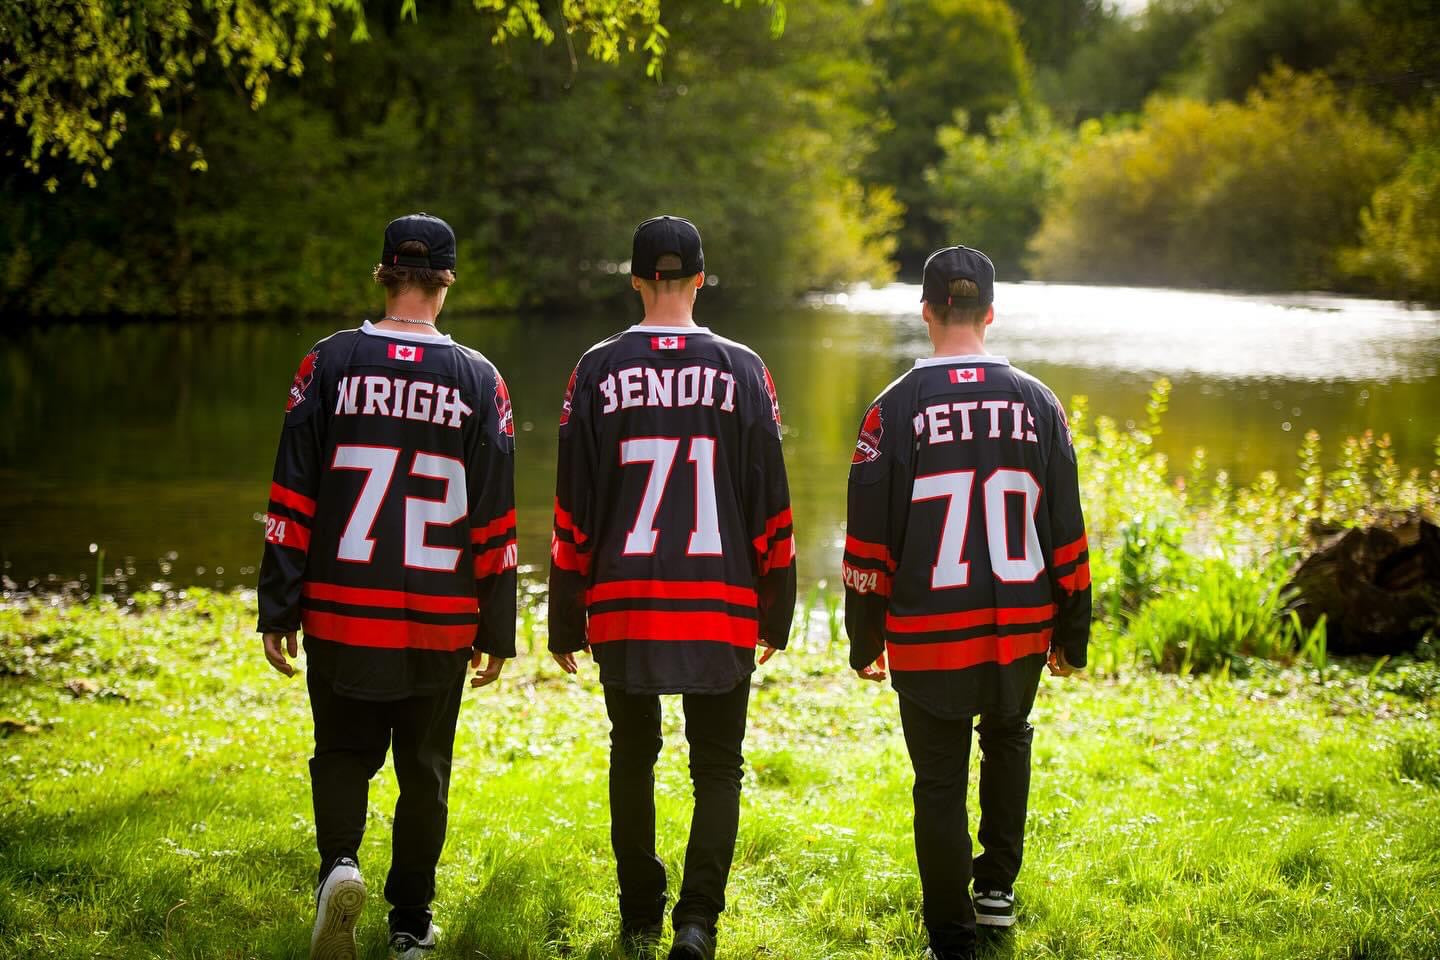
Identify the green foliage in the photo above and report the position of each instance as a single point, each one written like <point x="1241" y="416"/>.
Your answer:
<point x="937" y="56"/>
<point x="1216" y="612"/>
<point x="1252" y="37"/>
<point x="1052" y="29"/>
<point x="1399" y="246"/>
<point x="542" y="167"/>
<point x="1419" y="757"/>
<point x="70" y="70"/>
<point x="1131" y="58"/>
<point x="1257" y="195"/>
<point x="1188" y="569"/>
<point x="990" y="189"/>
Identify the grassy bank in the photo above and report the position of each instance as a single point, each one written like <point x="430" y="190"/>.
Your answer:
<point x="154" y="802"/>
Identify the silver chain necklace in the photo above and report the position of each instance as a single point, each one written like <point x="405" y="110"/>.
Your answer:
<point x="421" y="323"/>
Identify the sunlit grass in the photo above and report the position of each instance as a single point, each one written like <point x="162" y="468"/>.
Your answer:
<point x="159" y="807"/>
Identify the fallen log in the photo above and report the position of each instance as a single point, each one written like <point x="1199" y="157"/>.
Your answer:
<point x="1378" y="586"/>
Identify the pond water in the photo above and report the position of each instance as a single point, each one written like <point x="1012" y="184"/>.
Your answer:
<point x="154" y="441"/>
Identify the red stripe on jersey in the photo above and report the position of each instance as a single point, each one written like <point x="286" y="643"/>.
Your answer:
<point x="1070" y="551"/>
<point x="671" y="590"/>
<point x="566" y="557"/>
<point x="289" y="498"/>
<point x="390" y="634"/>
<point x="494" y="528"/>
<point x="935" y="623"/>
<point x="1078" y="580"/>
<point x="394" y="599"/>
<point x="959" y="654"/>
<point x="497" y="560"/>
<point x="287" y="532"/>
<point x="564" y="521"/>
<point x="773" y="526"/>
<point x="674" y="626"/>
<point x="781" y="555"/>
<point x="869" y="551"/>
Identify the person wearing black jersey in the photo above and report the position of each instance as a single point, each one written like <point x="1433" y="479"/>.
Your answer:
<point x="966" y="566"/>
<point x="390" y="540"/>
<point x="672" y="559"/>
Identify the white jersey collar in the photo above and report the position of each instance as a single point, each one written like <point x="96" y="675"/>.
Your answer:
<point x="970" y="358"/>
<point x="687" y="331"/>
<point x="369" y="328"/>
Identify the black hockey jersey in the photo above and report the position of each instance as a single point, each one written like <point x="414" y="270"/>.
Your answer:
<point x="965" y="555"/>
<point x="673" y="551"/>
<point x="390" y="535"/>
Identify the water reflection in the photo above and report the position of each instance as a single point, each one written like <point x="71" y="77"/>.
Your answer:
<point x="155" y="440"/>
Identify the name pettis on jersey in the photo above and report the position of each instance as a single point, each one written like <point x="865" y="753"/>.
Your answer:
<point x="400" y="398"/>
<point x="667" y="387"/>
<point x="939" y="422"/>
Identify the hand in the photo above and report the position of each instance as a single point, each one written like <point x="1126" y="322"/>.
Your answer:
<point x="276" y="656"/>
<point x="876" y="670"/>
<point x="566" y="661"/>
<point x="491" y="673"/>
<point x="1058" y="665"/>
<point x="769" y="651"/>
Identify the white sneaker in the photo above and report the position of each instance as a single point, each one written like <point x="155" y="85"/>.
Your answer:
<point x="338" y="905"/>
<point x="995" y="908"/>
<point x="404" y="946"/>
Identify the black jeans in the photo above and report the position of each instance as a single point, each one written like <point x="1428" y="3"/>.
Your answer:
<point x="715" y="728"/>
<point x="351" y="740"/>
<point x="940" y="752"/>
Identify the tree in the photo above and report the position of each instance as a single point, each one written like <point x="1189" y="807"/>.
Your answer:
<point x="937" y="56"/>
<point x="71" y="71"/>
<point x="991" y="188"/>
<point x="1259" y="195"/>
<point x="1052" y="29"/>
<point x="1399" y="248"/>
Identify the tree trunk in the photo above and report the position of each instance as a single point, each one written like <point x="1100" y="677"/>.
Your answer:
<point x="1377" y="586"/>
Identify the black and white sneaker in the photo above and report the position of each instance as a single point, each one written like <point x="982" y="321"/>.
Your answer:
<point x="405" y="946"/>
<point x="994" y="908"/>
<point x="338" y="904"/>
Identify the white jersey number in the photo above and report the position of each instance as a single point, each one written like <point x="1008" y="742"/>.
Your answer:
<point x="660" y="453"/>
<point x="356" y="543"/>
<point x="955" y="487"/>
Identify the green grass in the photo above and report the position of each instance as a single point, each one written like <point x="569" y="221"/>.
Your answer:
<point x="154" y="802"/>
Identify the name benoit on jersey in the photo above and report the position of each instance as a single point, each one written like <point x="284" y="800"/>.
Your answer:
<point x="695" y="385"/>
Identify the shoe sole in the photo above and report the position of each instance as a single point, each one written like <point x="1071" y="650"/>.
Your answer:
<point x="336" y="939"/>
<point x="992" y="921"/>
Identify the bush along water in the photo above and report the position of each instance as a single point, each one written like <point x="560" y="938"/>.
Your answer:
<point x="1189" y="569"/>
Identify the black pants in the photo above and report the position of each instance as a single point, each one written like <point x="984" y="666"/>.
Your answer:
<point x="351" y="740"/>
<point x="940" y="752"/>
<point x="715" y="728"/>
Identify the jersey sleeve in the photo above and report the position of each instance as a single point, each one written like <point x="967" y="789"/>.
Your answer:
<point x="871" y="536"/>
<point x="572" y="541"/>
<point x="768" y="515"/>
<point x="294" y="486"/>
<point x="1069" y="565"/>
<point x="491" y="480"/>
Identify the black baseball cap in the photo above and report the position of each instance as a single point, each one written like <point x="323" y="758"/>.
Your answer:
<point x="431" y="231"/>
<point x="958" y="263"/>
<point x="661" y="235"/>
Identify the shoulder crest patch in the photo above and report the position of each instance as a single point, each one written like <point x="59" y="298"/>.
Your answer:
<point x="303" y="378"/>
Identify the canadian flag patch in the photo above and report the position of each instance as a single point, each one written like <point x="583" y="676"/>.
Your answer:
<point x="967" y="375"/>
<point x="403" y="351"/>
<point x="667" y="343"/>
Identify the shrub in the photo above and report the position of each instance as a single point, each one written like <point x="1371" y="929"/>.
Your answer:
<point x="1259" y="195"/>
